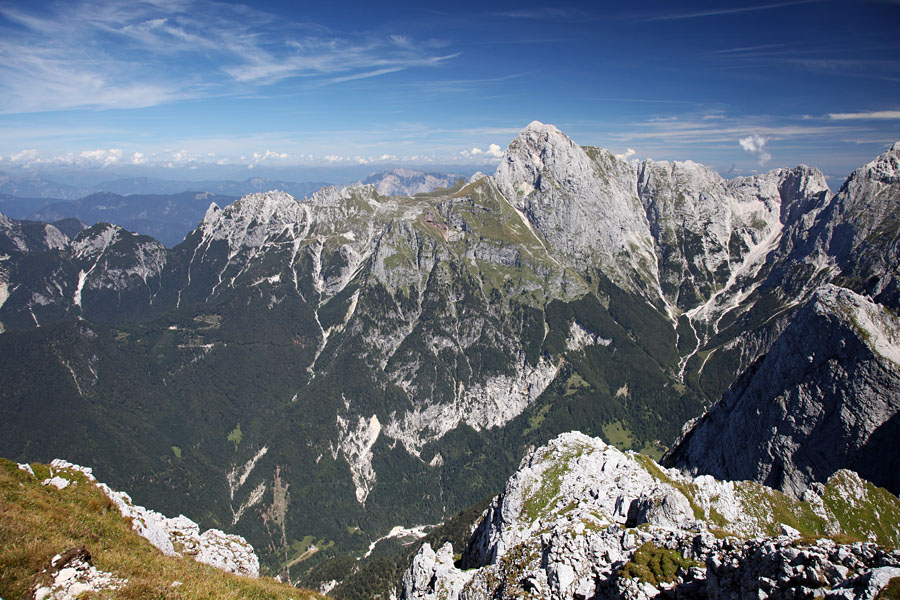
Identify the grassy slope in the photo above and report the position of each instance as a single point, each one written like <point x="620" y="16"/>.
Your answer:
<point x="38" y="522"/>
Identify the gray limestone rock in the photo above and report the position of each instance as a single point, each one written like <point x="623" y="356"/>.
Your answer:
<point x="825" y="397"/>
<point x="580" y="519"/>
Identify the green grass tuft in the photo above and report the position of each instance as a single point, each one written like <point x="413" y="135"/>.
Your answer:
<point x="656" y="565"/>
<point x="540" y="499"/>
<point x="236" y="436"/>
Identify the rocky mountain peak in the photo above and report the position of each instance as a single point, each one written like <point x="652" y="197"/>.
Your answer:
<point x="820" y="400"/>
<point x="252" y="219"/>
<point x="884" y="169"/>
<point x="211" y="211"/>
<point x="801" y="189"/>
<point x="408" y="182"/>
<point x="536" y="148"/>
<point x="262" y="207"/>
<point x="583" y="201"/>
<point x="879" y="329"/>
<point x="27" y="236"/>
<point x="536" y="129"/>
<point x="337" y="196"/>
<point x="94" y="240"/>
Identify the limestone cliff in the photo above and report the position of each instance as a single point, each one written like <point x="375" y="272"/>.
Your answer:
<point x="825" y="397"/>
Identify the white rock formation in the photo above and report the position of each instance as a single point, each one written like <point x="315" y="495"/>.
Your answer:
<point x="355" y="442"/>
<point x="175" y="536"/>
<point x="586" y="206"/>
<point x="72" y="574"/>
<point x="577" y="511"/>
<point x="483" y="406"/>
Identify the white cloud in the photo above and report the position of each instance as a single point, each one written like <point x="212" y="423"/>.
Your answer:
<point x="25" y="156"/>
<point x="756" y="144"/>
<point x="269" y="155"/>
<point x="627" y="154"/>
<point x="494" y="150"/>
<point x="117" y="53"/>
<point x="94" y="154"/>
<point x="713" y="12"/>
<point x="753" y="143"/>
<point x="366" y="74"/>
<point x="101" y="157"/>
<point x="138" y="158"/>
<point x="181" y="156"/>
<point x="877" y="114"/>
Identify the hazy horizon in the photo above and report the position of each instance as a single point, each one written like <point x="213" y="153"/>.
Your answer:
<point x="175" y="87"/>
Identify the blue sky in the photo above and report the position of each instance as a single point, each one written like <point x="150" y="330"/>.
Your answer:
<point x="177" y="84"/>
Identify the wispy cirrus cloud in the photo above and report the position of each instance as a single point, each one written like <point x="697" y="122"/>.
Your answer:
<point x="745" y="51"/>
<point x="542" y="13"/>
<point x="122" y="54"/>
<point x="715" y="12"/>
<point x="878" y="115"/>
<point x="718" y="130"/>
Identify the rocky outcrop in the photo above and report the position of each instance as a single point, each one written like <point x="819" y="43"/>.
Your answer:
<point x="708" y="230"/>
<point x="825" y="397"/>
<point x="407" y="182"/>
<point x="850" y="239"/>
<point x="177" y="536"/>
<point x="580" y="519"/>
<point x="71" y="574"/>
<point x="784" y="568"/>
<point x="28" y="236"/>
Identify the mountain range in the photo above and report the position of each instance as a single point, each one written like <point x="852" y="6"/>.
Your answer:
<point x="314" y="373"/>
<point x="40" y="189"/>
<point x="168" y="210"/>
